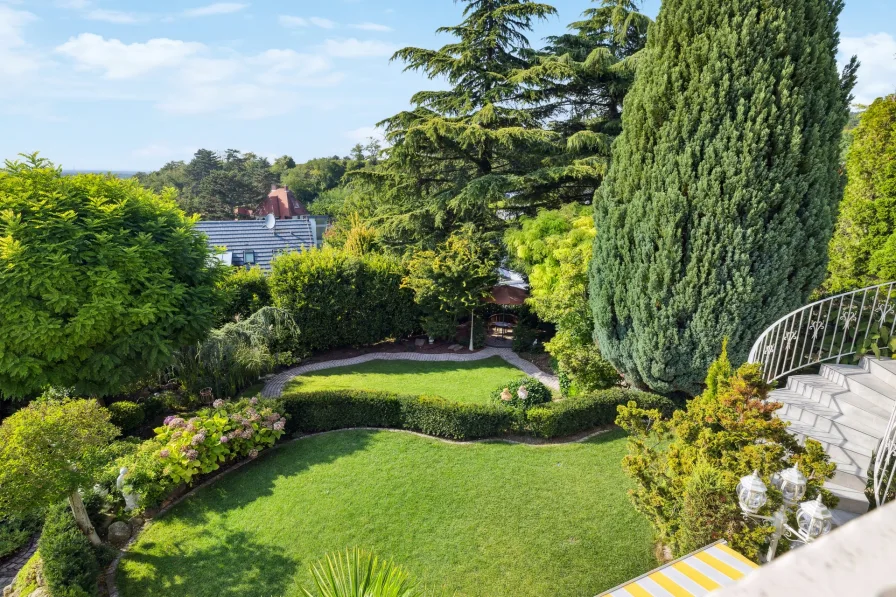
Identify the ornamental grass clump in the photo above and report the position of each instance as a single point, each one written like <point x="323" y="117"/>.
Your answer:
<point x="200" y="444"/>
<point x="358" y="573"/>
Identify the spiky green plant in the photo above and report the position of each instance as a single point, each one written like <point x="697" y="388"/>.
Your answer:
<point x="359" y="573"/>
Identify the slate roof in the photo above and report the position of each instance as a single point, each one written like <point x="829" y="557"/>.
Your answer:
<point x="251" y="235"/>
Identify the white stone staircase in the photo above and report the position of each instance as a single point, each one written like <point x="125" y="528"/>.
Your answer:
<point x="846" y="408"/>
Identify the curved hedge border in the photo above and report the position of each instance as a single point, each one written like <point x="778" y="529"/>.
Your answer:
<point x="310" y="412"/>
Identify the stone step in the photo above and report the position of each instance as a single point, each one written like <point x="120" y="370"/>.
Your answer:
<point x="883" y="369"/>
<point x="848" y="458"/>
<point x="841" y="517"/>
<point x="852" y="481"/>
<point x="850" y="499"/>
<point x="828" y="394"/>
<point x="864" y="431"/>
<point x="862" y="383"/>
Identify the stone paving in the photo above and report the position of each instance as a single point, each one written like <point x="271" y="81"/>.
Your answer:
<point x="274" y="386"/>
<point x="10" y="567"/>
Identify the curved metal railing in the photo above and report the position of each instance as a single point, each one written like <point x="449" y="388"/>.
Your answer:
<point x="830" y="330"/>
<point x="824" y="331"/>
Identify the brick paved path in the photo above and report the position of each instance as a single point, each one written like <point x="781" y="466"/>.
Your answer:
<point x="275" y="385"/>
<point x="11" y="567"/>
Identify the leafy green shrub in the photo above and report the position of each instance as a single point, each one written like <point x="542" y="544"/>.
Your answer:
<point x="245" y="292"/>
<point x="70" y="565"/>
<point x="15" y="531"/>
<point x="358" y="573"/>
<point x="127" y="416"/>
<point x="558" y="419"/>
<point x="216" y="435"/>
<point x="145" y="477"/>
<point x="100" y="283"/>
<point x="538" y="393"/>
<point x="341" y="299"/>
<point x="237" y="354"/>
<point x="339" y="409"/>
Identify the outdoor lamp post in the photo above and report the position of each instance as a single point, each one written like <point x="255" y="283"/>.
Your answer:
<point x="813" y="517"/>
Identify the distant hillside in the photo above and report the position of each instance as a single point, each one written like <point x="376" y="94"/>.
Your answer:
<point x="118" y="173"/>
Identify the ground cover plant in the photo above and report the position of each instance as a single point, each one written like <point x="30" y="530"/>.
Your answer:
<point x="472" y="519"/>
<point x="469" y="382"/>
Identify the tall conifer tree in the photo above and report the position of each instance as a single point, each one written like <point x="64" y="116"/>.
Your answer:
<point x="720" y="201"/>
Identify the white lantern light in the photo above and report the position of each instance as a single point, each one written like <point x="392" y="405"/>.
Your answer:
<point x="751" y="493"/>
<point x="814" y="518"/>
<point x="523" y="393"/>
<point x="792" y="484"/>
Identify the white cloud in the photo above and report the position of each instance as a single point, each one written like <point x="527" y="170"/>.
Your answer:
<point x="15" y="56"/>
<point x="877" y="73"/>
<point x="371" y="27"/>
<point x="354" y="48"/>
<point x="289" y="21"/>
<point x="73" y="4"/>
<point x="322" y="23"/>
<point x="220" y="8"/>
<point x="122" y="61"/>
<point x="112" y="16"/>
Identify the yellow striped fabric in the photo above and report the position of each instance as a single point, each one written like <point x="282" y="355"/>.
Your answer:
<point x="696" y="574"/>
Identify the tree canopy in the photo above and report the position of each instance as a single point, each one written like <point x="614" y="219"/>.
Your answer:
<point x="863" y="250"/>
<point x="102" y="280"/>
<point x="719" y="204"/>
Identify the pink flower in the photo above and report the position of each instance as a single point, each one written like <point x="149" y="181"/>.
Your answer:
<point x="218" y="403"/>
<point x="191" y="454"/>
<point x="174" y="422"/>
<point x="253" y="401"/>
<point x="168" y="419"/>
<point x="225" y="439"/>
<point x="164" y="454"/>
<point x="253" y="453"/>
<point x="247" y="434"/>
<point x="198" y="438"/>
<point x="279" y="425"/>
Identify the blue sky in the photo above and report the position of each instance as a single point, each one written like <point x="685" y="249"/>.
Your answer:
<point x="122" y="84"/>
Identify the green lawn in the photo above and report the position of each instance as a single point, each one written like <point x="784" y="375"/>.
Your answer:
<point x="471" y="381"/>
<point x="488" y="519"/>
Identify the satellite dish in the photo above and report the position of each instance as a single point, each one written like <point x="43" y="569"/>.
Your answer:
<point x="270" y="221"/>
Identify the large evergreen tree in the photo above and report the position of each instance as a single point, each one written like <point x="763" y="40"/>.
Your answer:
<point x="715" y="216"/>
<point x="457" y="156"/>
<point x="863" y="250"/>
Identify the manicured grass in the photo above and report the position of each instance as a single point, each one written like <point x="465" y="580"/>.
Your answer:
<point x="485" y="519"/>
<point x="471" y="381"/>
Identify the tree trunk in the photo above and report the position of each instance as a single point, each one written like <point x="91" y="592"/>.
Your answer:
<point x="80" y="514"/>
<point x="472" y="322"/>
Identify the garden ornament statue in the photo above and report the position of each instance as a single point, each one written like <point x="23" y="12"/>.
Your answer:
<point x="523" y="393"/>
<point x="130" y="499"/>
<point x="506" y="396"/>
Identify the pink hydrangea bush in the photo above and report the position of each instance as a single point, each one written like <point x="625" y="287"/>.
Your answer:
<point x="224" y="432"/>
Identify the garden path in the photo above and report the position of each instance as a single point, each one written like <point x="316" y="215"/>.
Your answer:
<point x="274" y="386"/>
<point x="11" y="566"/>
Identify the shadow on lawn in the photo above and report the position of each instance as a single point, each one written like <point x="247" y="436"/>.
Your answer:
<point x="235" y="563"/>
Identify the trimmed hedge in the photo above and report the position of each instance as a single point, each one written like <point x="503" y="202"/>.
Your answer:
<point x="310" y="412"/>
<point x="339" y="299"/>
<point x="573" y="415"/>
<point x="127" y="416"/>
<point x="70" y="568"/>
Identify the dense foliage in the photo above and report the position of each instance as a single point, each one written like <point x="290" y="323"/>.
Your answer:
<point x="127" y="416"/>
<point x="554" y="250"/>
<point x="245" y="292"/>
<point x="70" y="565"/>
<point x="340" y="299"/>
<point x="508" y="393"/>
<point x="716" y="213"/>
<point x="235" y="355"/>
<point x="102" y="280"/>
<point x="342" y="409"/>
<point x="451" y="280"/>
<point x="48" y="450"/>
<point x="863" y="250"/>
<point x="686" y="469"/>
<point x="16" y="531"/>
<point x="583" y="413"/>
